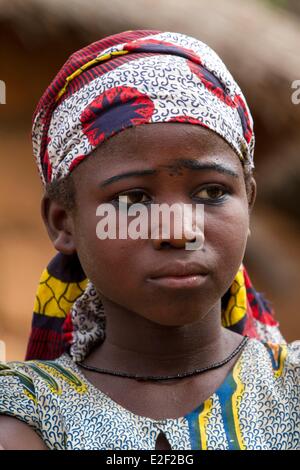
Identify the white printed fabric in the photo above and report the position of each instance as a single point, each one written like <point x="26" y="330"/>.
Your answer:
<point x="256" y="407"/>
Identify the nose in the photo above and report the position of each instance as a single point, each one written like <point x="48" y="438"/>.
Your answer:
<point x="169" y="242"/>
<point x="178" y="230"/>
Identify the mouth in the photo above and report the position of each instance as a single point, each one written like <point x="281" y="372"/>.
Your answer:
<point x="177" y="282"/>
<point x="180" y="276"/>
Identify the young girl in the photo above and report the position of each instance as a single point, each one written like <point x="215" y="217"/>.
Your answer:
<point x="141" y="343"/>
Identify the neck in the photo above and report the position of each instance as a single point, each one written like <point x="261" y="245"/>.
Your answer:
<point x="136" y="345"/>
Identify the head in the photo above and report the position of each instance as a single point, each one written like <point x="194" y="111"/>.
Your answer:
<point x="120" y="268"/>
<point x="161" y="104"/>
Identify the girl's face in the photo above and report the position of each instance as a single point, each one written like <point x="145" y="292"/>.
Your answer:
<point x="122" y="269"/>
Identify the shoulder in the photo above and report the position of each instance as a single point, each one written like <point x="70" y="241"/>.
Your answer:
<point x="29" y="380"/>
<point x="19" y="420"/>
<point x="279" y="360"/>
<point x="17" y="392"/>
<point x="35" y="392"/>
<point x="284" y="357"/>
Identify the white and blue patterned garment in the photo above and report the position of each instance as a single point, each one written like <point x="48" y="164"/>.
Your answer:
<point x="256" y="407"/>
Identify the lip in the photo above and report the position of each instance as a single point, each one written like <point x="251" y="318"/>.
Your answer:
<point x="180" y="269"/>
<point x="178" y="275"/>
<point x="177" y="282"/>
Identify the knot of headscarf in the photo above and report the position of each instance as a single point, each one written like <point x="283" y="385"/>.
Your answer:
<point x="125" y="80"/>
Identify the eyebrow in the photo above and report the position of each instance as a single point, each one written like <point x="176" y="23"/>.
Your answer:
<point x="190" y="164"/>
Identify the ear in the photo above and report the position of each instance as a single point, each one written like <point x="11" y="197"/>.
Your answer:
<point x="253" y="193"/>
<point x="59" y="225"/>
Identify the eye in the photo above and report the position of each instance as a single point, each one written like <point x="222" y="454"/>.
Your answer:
<point x="133" y="197"/>
<point x="212" y="193"/>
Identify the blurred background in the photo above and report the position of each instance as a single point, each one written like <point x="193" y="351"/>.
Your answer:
<point x="259" y="40"/>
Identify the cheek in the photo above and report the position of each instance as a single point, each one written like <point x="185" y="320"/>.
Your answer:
<point x="107" y="263"/>
<point x="225" y="233"/>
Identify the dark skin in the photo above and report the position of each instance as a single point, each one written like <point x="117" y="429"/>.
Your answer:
<point x="152" y="330"/>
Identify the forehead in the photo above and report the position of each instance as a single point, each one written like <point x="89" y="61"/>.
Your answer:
<point x="160" y="146"/>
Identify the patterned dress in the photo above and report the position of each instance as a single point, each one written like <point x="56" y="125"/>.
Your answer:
<point x="256" y="407"/>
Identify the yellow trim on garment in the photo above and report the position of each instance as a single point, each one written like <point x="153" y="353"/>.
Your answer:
<point x="66" y="375"/>
<point x="236" y="401"/>
<point x="282" y="351"/>
<point x="203" y="419"/>
<point x="279" y="352"/>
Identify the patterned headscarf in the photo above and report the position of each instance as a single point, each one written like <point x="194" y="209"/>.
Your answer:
<point x="125" y="80"/>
